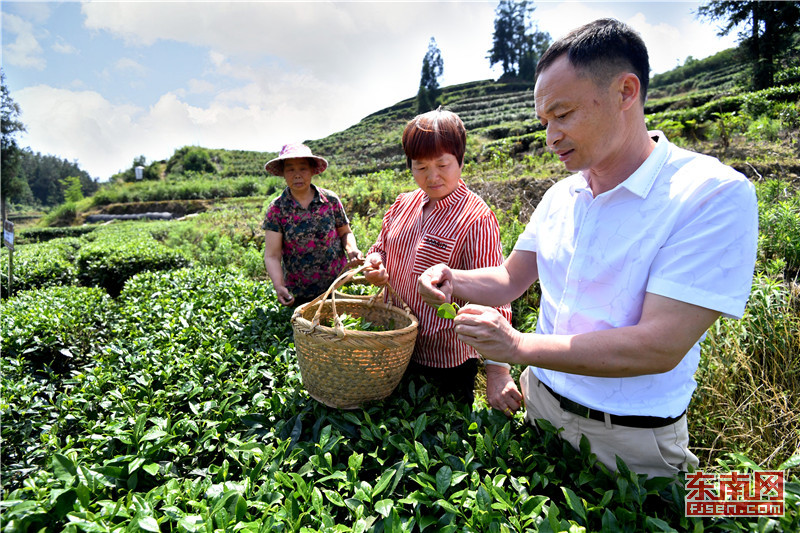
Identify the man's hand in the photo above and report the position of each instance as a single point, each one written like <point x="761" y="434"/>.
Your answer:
<point x="376" y="273"/>
<point x="501" y="391"/>
<point x="435" y="285"/>
<point x="486" y="330"/>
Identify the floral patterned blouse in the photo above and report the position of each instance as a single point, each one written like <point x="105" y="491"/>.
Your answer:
<point x="313" y="255"/>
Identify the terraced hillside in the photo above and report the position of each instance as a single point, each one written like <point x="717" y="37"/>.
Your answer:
<point x="703" y="105"/>
<point x="501" y="114"/>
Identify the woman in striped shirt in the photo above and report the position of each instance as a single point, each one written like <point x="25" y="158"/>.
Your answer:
<point x="441" y="222"/>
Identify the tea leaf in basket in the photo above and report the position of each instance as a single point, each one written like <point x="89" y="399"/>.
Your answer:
<point x="359" y="324"/>
<point x="447" y="311"/>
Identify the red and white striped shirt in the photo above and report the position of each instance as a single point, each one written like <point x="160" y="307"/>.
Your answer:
<point x="461" y="232"/>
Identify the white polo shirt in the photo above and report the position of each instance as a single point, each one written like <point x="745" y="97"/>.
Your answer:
<point x="683" y="226"/>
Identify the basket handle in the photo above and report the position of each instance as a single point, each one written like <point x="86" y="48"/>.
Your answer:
<point x="338" y="282"/>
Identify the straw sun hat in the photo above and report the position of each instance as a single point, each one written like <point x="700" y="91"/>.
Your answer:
<point x="295" y="151"/>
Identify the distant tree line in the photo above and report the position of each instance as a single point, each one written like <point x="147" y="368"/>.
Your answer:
<point x="48" y="180"/>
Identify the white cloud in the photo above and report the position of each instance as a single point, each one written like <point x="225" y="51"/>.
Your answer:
<point x="78" y="125"/>
<point x="265" y="73"/>
<point x="130" y="67"/>
<point x="105" y="137"/>
<point x="25" y="51"/>
<point x="331" y="39"/>
<point x="63" y="47"/>
<point x="200" y="86"/>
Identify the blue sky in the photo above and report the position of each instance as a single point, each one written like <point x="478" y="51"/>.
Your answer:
<point x="105" y="82"/>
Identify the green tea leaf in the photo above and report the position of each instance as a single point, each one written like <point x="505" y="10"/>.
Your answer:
<point x="384" y="507"/>
<point x="574" y="502"/>
<point x="447" y="311"/>
<point x="443" y="479"/>
<point x="63" y="467"/>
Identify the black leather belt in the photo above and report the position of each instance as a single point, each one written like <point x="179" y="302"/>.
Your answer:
<point x="634" y="421"/>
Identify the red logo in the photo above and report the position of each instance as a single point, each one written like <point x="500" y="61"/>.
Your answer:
<point x="735" y="493"/>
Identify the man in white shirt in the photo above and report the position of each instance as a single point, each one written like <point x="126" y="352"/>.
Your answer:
<point x="637" y="254"/>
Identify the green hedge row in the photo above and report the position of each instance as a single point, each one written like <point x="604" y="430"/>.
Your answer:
<point x="199" y="188"/>
<point x="105" y="258"/>
<point x="753" y="103"/>
<point x="113" y="257"/>
<point x="31" y="235"/>
<point x="42" y="264"/>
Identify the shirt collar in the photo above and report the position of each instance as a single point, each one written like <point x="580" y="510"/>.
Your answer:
<point x="458" y="193"/>
<point x="643" y="178"/>
<point x="319" y="196"/>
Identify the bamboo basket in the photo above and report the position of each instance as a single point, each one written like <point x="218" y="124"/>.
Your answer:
<point x="357" y="280"/>
<point x="345" y="368"/>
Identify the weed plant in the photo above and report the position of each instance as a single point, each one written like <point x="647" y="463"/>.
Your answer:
<point x="779" y="223"/>
<point x="747" y="398"/>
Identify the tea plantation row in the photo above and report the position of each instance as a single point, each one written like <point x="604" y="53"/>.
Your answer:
<point x="176" y="405"/>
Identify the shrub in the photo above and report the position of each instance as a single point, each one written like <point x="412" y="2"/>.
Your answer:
<point x="779" y="226"/>
<point x="202" y="307"/>
<point x="41" y="265"/>
<point x="62" y="215"/>
<point x="114" y="256"/>
<point x="45" y="334"/>
<point x="55" y="323"/>
<point x="32" y="235"/>
<point x="764" y="129"/>
<point x="198" y="160"/>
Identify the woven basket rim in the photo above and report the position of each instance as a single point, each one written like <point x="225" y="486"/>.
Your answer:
<point x="304" y="323"/>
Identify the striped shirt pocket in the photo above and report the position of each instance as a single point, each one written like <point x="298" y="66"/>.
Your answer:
<point x="432" y="250"/>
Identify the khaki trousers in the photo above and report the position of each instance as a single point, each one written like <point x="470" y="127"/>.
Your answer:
<point x="660" y="451"/>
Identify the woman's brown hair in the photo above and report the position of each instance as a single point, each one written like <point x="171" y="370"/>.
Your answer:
<point x="435" y="133"/>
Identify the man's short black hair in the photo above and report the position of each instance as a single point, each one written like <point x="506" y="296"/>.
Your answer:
<point x="603" y="49"/>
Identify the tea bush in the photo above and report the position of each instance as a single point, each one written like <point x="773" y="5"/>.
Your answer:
<point x="55" y="323"/>
<point x="41" y="265"/>
<point x="35" y="234"/>
<point x="113" y="256"/>
<point x="191" y="417"/>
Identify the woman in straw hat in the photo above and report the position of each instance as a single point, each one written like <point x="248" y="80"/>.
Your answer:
<point x="308" y="240"/>
<point x="441" y="222"/>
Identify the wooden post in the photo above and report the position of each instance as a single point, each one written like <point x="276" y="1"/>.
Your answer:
<point x="8" y="240"/>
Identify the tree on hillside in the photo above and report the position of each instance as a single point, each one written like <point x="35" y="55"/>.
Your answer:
<point x="517" y="43"/>
<point x="45" y="175"/>
<point x="770" y="32"/>
<point x="72" y="189"/>
<point x="10" y="183"/>
<point x="432" y="69"/>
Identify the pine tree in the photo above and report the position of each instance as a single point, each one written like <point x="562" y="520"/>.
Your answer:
<point x="432" y="69"/>
<point x="517" y="44"/>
